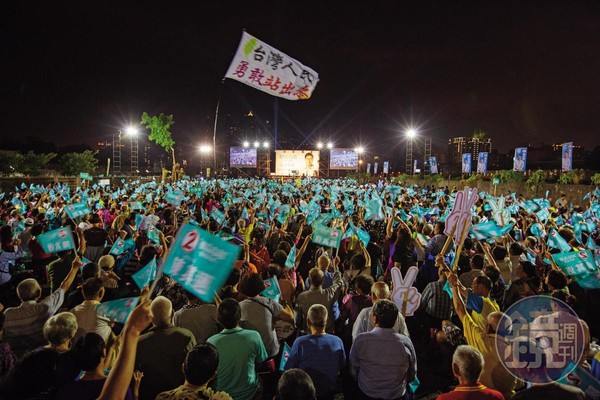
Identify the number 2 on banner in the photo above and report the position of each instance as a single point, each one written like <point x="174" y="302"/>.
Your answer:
<point x="190" y="241"/>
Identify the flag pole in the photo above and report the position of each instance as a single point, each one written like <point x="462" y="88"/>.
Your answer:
<point x="215" y="129"/>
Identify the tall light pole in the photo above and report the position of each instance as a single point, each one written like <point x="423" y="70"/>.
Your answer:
<point x="132" y="132"/>
<point x="359" y="150"/>
<point x="117" y="153"/>
<point x="411" y="134"/>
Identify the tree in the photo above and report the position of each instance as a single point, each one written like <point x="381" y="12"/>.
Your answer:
<point x="31" y="163"/>
<point x="159" y="126"/>
<point x="74" y="163"/>
<point x="479" y="134"/>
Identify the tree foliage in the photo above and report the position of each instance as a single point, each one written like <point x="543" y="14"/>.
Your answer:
<point x="567" y="178"/>
<point x="159" y="126"/>
<point x="74" y="163"/>
<point x="536" y="179"/>
<point x="508" y="176"/>
<point x="479" y="134"/>
<point x="31" y="163"/>
<point x="596" y="178"/>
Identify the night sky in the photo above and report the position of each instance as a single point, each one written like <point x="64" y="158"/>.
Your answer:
<point x="74" y="71"/>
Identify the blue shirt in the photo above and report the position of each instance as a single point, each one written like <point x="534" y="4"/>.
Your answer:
<point x="383" y="362"/>
<point x="321" y="357"/>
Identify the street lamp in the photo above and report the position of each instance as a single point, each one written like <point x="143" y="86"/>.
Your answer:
<point x="205" y="148"/>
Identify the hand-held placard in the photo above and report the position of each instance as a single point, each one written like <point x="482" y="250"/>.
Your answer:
<point x="459" y="219"/>
<point x="404" y="295"/>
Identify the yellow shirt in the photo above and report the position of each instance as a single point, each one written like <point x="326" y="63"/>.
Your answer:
<point x="494" y="374"/>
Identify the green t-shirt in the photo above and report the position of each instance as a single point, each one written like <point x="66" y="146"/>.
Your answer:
<point x="240" y="351"/>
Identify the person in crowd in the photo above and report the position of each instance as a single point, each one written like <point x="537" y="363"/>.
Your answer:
<point x="89" y="353"/>
<point x="317" y="295"/>
<point x="240" y="351"/>
<point x="382" y="361"/>
<point x="352" y="305"/>
<point x="320" y="354"/>
<point x="198" y="317"/>
<point x="295" y="384"/>
<point x="161" y="351"/>
<point x="95" y="238"/>
<point x="23" y="327"/>
<point x="436" y="305"/>
<point x="467" y="364"/>
<point x="59" y="331"/>
<point x="259" y="312"/>
<point x="364" y="320"/>
<point x="200" y="370"/>
<point x="88" y="318"/>
<point x="484" y="339"/>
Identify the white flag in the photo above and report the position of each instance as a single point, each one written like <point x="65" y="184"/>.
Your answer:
<point x="265" y="68"/>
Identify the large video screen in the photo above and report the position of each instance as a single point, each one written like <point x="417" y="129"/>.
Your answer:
<point x="343" y="159"/>
<point x="242" y="157"/>
<point x="296" y="163"/>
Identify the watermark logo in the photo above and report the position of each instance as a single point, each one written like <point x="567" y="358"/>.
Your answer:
<point x="538" y="338"/>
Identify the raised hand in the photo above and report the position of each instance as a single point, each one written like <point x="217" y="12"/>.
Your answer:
<point x="404" y="295"/>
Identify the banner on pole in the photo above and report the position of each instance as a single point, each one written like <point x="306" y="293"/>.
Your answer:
<point x="267" y="69"/>
<point x="482" y="162"/>
<point x="200" y="262"/>
<point x="466" y="163"/>
<point x="567" y="156"/>
<point x="520" y="160"/>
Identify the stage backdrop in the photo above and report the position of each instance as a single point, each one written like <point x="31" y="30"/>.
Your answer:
<point x="296" y="162"/>
<point x="343" y="159"/>
<point x="242" y="157"/>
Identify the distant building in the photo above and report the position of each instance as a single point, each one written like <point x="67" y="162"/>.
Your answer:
<point x="460" y="145"/>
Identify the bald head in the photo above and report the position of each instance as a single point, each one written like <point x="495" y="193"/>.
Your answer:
<point x="380" y="290"/>
<point x="315" y="275"/>
<point x="161" y="310"/>
<point x="494" y="320"/>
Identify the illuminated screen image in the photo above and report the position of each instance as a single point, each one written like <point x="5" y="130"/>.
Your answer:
<point x="296" y="163"/>
<point x="241" y="157"/>
<point x="343" y="159"/>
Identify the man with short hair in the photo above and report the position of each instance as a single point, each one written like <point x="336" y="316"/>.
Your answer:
<point x="320" y="354"/>
<point x="200" y="369"/>
<point x="382" y="361"/>
<point x="24" y="324"/>
<point x="295" y="384"/>
<point x="324" y="264"/>
<point x="240" y="351"/>
<point x="88" y="319"/>
<point x="197" y="316"/>
<point x="95" y="238"/>
<point x="467" y="364"/>
<point x="161" y="351"/>
<point x="379" y="291"/>
<point x="317" y="295"/>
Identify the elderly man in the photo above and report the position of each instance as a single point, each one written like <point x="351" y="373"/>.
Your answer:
<point x="24" y="324"/>
<point x="316" y="294"/>
<point x="494" y="375"/>
<point x="88" y="319"/>
<point x="320" y="354"/>
<point x="363" y="323"/>
<point x="324" y="264"/>
<point x="161" y="351"/>
<point x="467" y="364"/>
<point x="383" y="361"/>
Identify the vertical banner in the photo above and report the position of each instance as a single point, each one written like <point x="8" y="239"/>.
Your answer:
<point x="375" y="167"/>
<point x="386" y="167"/>
<point x="267" y="69"/>
<point x="466" y="163"/>
<point x="520" y="160"/>
<point x="482" y="162"/>
<point x="567" y="156"/>
<point x="415" y="170"/>
<point x="368" y="168"/>
<point x="433" y="165"/>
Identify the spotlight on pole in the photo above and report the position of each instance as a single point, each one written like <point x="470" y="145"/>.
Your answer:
<point x="131" y="131"/>
<point x="246" y="143"/>
<point x="257" y="144"/>
<point x="330" y="145"/>
<point x="319" y="145"/>
<point x="204" y="148"/>
<point x="411" y="133"/>
<point x="359" y="150"/>
<point x="266" y="145"/>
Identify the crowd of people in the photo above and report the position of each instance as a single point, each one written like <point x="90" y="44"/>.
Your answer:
<point x="335" y="328"/>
